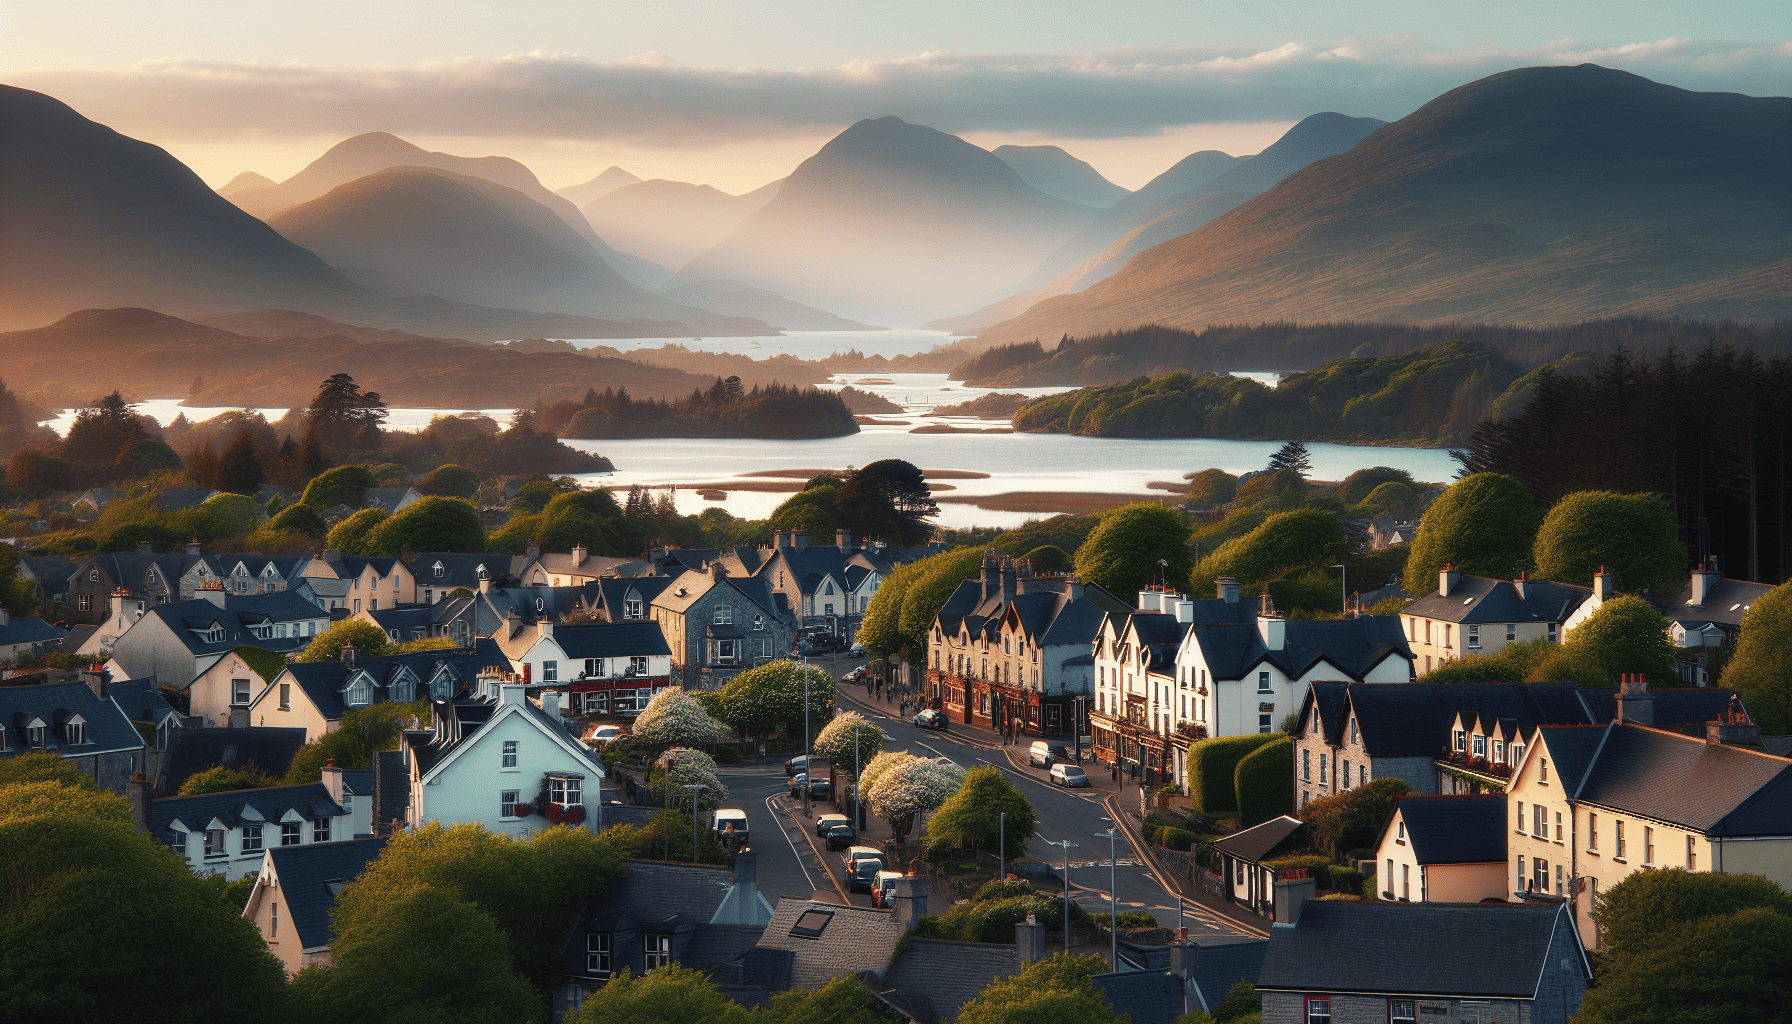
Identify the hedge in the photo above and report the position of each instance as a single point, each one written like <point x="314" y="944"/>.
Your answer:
<point x="1370" y="891"/>
<point x="1317" y="866"/>
<point x="1264" y="781"/>
<point x="1353" y="818"/>
<point x="1348" y="880"/>
<point x="1171" y="838"/>
<point x="1213" y="768"/>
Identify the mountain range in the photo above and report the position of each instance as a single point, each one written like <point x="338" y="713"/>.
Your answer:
<point x="669" y="222"/>
<point x="607" y="181"/>
<point x="891" y="221"/>
<point x="1056" y="173"/>
<point x="1534" y="196"/>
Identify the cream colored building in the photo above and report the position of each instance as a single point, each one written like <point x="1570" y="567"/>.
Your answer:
<point x="1477" y="615"/>
<point x="1443" y="849"/>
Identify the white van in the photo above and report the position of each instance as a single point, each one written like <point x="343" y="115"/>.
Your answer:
<point x="731" y="816"/>
<point x="881" y="884"/>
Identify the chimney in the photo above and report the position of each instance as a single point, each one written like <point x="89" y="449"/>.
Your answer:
<point x="1447" y="578"/>
<point x="780" y="538"/>
<point x="193" y="546"/>
<point x="909" y="899"/>
<point x="1185" y="610"/>
<point x="1228" y="589"/>
<point x="136" y="793"/>
<point x="332" y="556"/>
<point x="1519" y="584"/>
<point x="118" y="596"/>
<point x="1636" y="705"/>
<point x="332" y="779"/>
<point x="350" y="655"/>
<point x="990" y="574"/>
<point x="578" y="555"/>
<point x="1271" y="626"/>
<point x="97" y="679"/>
<point x="1732" y="734"/>
<point x="1073" y="588"/>
<point x="843" y="540"/>
<point x="1704" y="580"/>
<point x="1602" y="586"/>
<point x="1295" y="887"/>
<point x="511" y="693"/>
<point x="1029" y="939"/>
<point x="1008" y="576"/>
<point x="485" y="584"/>
<point x="718" y="571"/>
<point x="532" y="550"/>
<point x="1150" y="601"/>
<point x="145" y="548"/>
<point x="550" y="703"/>
<point x="211" y="590"/>
<point x="545" y="626"/>
<point x="799" y="538"/>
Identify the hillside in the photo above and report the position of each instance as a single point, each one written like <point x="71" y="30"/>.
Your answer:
<point x="245" y="182"/>
<point x="93" y="218"/>
<point x="892" y="223"/>
<point x="668" y="222"/>
<point x="611" y="179"/>
<point x="1056" y="173"/>
<point x="287" y="323"/>
<point x="733" y="298"/>
<point x="1535" y="196"/>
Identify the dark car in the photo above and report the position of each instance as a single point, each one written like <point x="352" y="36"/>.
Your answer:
<point x="820" y="789"/>
<point x="931" y="719"/>
<point x="796" y="765"/>
<point x="842" y="836"/>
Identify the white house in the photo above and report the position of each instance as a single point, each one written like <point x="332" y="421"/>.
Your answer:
<point x="503" y="762"/>
<point x="600" y="668"/>
<point x="315" y="696"/>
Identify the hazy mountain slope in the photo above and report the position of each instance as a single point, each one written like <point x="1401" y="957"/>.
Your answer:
<point x="668" y="221"/>
<point x="244" y="182"/>
<point x="1535" y="196"/>
<point x="287" y="323"/>
<point x="1056" y="173"/>
<point x="466" y="239"/>
<point x="732" y="298"/>
<point x="891" y="222"/>
<point x="609" y="181"/>
<point x="92" y="218"/>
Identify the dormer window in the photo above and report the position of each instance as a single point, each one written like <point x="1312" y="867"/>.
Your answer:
<point x="359" y="694"/>
<point x="35" y="733"/>
<point x="437" y="570"/>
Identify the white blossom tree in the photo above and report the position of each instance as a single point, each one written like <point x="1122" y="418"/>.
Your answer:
<point x="769" y="698"/>
<point x="847" y="733"/>
<point x="905" y="790"/>
<point x="675" y="718"/>
<point x="682" y="766"/>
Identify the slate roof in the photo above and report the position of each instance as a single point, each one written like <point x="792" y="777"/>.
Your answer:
<point x="391" y="790"/>
<point x="28" y="631"/>
<point x="54" y="704"/>
<point x="310" y="878"/>
<point x="310" y="801"/>
<point x="1221" y="961"/>
<point x="855" y="939"/>
<point x="1454" y="829"/>
<point x="491" y="609"/>
<point x="287" y="567"/>
<point x="1046" y="611"/>
<point x="407" y="618"/>
<point x="391" y="498"/>
<point x="239" y="613"/>
<point x="131" y="568"/>
<point x="141" y="700"/>
<point x="614" y="591"/>
<point x="655" y="893"/>
<point x="191" y="751"/>
<point x="323" y="681"/>
<point x="634" y="638"/>
<point x="1393" y="947"/>
<point x="1149" y="997"/>
<point x="53" y="570"/>
<point x="462" y="570"/>
<point x="696" y="584"/>
<point x="716" y="949"/>
<point x="75" y="637"/>
<point x="1724" y="603"/>
<point x="593" y="565"/>
<point x="935" y="977"/>
<point x="1259" y="841"/>
<point x="1352" y="646"/>
<point x="1654" y="773"/>
<point x="1479" y="599"/>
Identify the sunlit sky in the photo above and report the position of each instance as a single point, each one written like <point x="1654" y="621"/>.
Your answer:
<point x="735" y="94"/>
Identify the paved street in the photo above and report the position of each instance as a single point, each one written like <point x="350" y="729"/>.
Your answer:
<point x="786" y="864"/>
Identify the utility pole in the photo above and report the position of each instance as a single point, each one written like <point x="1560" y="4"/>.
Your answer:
<point x="1113" y="900"/>
<point x="1002" y="847"/>
<point x="1066" y="845"/>
<point x="693" y="788"/>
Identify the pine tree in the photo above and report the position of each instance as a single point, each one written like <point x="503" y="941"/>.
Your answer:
<point x="239" y="471"/>
<point x="346" y="417"/>
<point x="1292" y="455"/>
<point x="203" y="466"/>
<point x="312" y="460"/>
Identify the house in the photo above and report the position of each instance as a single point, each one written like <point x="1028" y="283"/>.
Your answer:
<point x="503" y="762"/>
<point x="698" y="915"/>
<point x="151" y="578"/>
<point x="826" y="585"/>
<point x="49" y="577"/>
<point x="622" y="598"/>
<point x="142" y="702"/>
<point x="494" y="608"/>
<point x="1136" y="691"/>
<point x="220" y="696"/>
<point x="392" y="498"/>
<point x="932" y="979"/>
<point x="315" y="696"/>
<point x="579" y="567"/>
<point x="228" y="833"/>
<point x="1477" y="615"/>
<point x="1010" y="650"/>
<point x="171" y="499"/>
<point x="1707" y="616"/>
<point x="1381" y="962"/>
<point x="440" y="573"/>
<point x="718" y="625"/>
<point x="242" y="574"/>
<point x="1391" y="528"/>
<point x="177" y="642"/>
<point x="451" y="619"/>
<point x="1195" y="977"/>
<point x="191" y="751"/>
<point x="373" y="582"/>
<point x="1243" y="861"/>
<point x="599" y="668"/>
<point x="294" y="892"/>
<point x="1590" y="805"/>
<point x="20" y="637"/>
<point x="1443" y="849"/>
<point x="810" y="943"/>
<point x="77" y="721"/>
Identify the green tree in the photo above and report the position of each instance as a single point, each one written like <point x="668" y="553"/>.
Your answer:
<point x="973" y="814"/>
<point x="674" y="718"/>
<point x="99" y="433"/>
<point x="1261" y="782"/>
<point x="1392" y="496"/>
<point x="1635" y="537"/>
<point x="769" y="698"/>
<point x="849" y="739"/>
<point x="1761" y="666"/>
<point x="43" y="766"/>
<point x="237" y="515"/>
<point x="890" y="499"/>
<point x="1123" y="551"/>
<point x="880" y="627"/>
<point x="1362" y="483"/>
<point x="16" y="594"/>
<point x="1242" y="1006"/>
<point x="239" y="470"/>
<point x="429" y="524"/>
<point x="1483" y="524"/>
<point x="146" y="456"/>
<point x="1283" y="541"/>
<point x="344" y="417"/>
<point x="368" y="640"/>
<point x="31" y="470"/>
<point x="344" y="485"/>
<point x="224" y="778"/>
<point x="1648" y="908"/>
<point x="1211" y="487"/>
<point x="1054" y="991"/>
<point x="1350" y="820"/>
<point x="813" y="508"/>
<point x="845" y="1000"/>
<point x="673" y="994"/>
<point x="354" y="535"/>
<point x="352" y="745"/>
<point x="301" y="519"/>
<point x="936" y="578"/>
<point x="451" y="481"/>
<point x="1292" y="455"/>
<point x="1626" y="635"/>
<point x="1213" y="769"/>
<point x="1049" y="558"/>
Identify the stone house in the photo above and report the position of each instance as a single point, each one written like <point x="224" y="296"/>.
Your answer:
<point x="718" y="625"/>
<point x="177" y="642"/>
<point x="77" y="721"/>
<point x="315" y="696"/>
<point x="242" y="574"/>
<point x="142" y="574"/>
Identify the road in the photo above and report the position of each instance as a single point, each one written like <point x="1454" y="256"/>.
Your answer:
<point x="786" y="864"/>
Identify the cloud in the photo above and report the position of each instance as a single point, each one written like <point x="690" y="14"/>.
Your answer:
<point x="652" y="100"/>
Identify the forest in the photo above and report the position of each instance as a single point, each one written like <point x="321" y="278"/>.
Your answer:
<point x="727" y="409"/>
<point x="1709" y="432"/>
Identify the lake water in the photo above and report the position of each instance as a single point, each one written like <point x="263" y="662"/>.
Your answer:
<point x="802" y="344"/>
<point x="164" y="411"/>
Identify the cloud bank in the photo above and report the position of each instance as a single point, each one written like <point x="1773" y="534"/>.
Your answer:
<point x="653" y="101"/>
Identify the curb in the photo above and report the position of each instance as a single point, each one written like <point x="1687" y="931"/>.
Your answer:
<point x="826" y="862"/>
<point x="1175" y="885"/>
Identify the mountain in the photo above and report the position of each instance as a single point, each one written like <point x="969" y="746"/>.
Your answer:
<point x="733" y="298"/>
<point x="466" y="239"/>
<point x="891" y="221"/>
<point x="94" y="218"/>
<point x="609" y="181"/>
<point x="669" y="221"/>
<point x="1535" y="196"/>
<point x="287" y="323"/>
<point x="1057" y="173"/>
<point x="245" y="182"/>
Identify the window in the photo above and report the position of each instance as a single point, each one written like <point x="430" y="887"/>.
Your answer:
<point x="34" y="735"/>
<point x="597" y="953"/>
<point x="1406" y="882"/>
<point x="1319" y="1010"/>
<point x="214" y="842"/>
<point x="507" y="801"/>
<point x="436" y="569"/>
<point x="290" y="834"/>
<point x="1539" y="874"/>
<point x="320" y="830"/>
<point x="1499" y="751"/>
<point x="1265" y="723"/>
<point x="1401" y="1011"/>
<point x="1315" y="729"/>
<point x="630" y="610"/>
<point x="1692" y="854"/>
<point x="1620" y="851"/>
<point x="1325" y="759"/>
<point x="1539" y="821"/>
<point x="509" y="754"/>
<point x="1344" y="775"/>
<point x="1558" y="879"/>
<point x="1516" y="754"/>
<point x="759" y="621"/>
<point x="1474" y="638"/>
<point x="1362" y="775"/>
<point x="1592" y="833"/>
<point x="1447" y="628"/>
<point x="724" y="615"/>
<point x="74" y="733"/>
<point x="656" y="950"/>
<point x="1558" y="826"/>
<point x="594" y="666"/>
<point x="1263" y="683"/>
<point x="550" y="671"/>
<point x="239" y="691"/>
<point x="1461" y="740"/>
<point x="1480" y="744"/>
<point x="564" y="790"/>
<point x="1520" y="827"/>
<point x="637" y="666"/>
<point x="1306" y="766"/>
<point x="1353" y="732"/>
<point x="1648" y="845"/>
<point x="1521" y="879"/>
<point x="273" y="919"/>
<point x="1511" y="631"/>
<point x="1552" y="632"/>
<point x="84" y="602"/>
<point x="252" y="837"/>
<point x="1543" y="770"/>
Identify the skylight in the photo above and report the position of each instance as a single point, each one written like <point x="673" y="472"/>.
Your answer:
<point x="812" y="923"/>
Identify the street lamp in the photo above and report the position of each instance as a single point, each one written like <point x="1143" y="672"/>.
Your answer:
<point x="693" y="788"/>
<point x="1343" y="589"/>
<point x="1066" y="844"/>
<point x="1113" y="898"/>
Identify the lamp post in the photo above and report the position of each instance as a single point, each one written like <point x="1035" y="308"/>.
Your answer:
<point x="693" y="788"/>
<point x="1343" y="589"/>
<point x="1066" y="844"/>
<point x="1001" y="845"/>
<point x="1113" y="898"/>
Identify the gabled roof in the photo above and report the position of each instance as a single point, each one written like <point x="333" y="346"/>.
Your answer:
<point x="492" y="608"/>
<point x="141" y="700"/>
<point x="286" y="567"/>
<point x="28" y="631"/>
<point x="1144" y="996"/>
<point x="934" y="978"/>
<point x="1724" y="602"/>
<point x="312" y="876"/>
<point x="322" y="682"/>
<point x="697" y="584"/>
<point x="309" y="801"/>
<point x="462" y="570"/>
<point x="406" y="617"/>
<point x="1324" y="951"/>
<point x="1259" y="841"/>
<point x="459" y="725"/>
<point x="131" y="568"/>
<point x="592" y="565"/>
<point x="650" y="896"/>
<point x="855" y="939"/>
<point x="1454" y="829"/>
<point x="1353" y="646"/>
<point x="1479" y="599"/>
<point x="191" y="751"/>
<point x="238" y="614"/>
<point x="52" y="569"/>
<point x="55" y="704"/>
<point x="615" y="591"/>
<point x="1679" y="779"/>
<point x="612" y="640"/>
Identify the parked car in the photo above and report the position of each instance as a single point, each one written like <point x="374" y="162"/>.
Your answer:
<point x="732" y="817"/>
<point x="797" y="781"/>
<point x="841" y="836"/>
<point x="881" y="884"/>
<point x="856" y="675"/>
<point x="821" y="789"/>
<point x="799" y="763"/>
<point x="604" y="734"/>
<point x="1043" y="754"/>
<point x="1069" y="776"/>
<point x="931" y="719"/>
<point x="827" y="821"/>
<point x="862" y="865"/>
<point x="857" y="650"/>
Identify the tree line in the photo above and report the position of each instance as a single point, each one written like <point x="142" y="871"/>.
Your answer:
<point x="727" y="409"/>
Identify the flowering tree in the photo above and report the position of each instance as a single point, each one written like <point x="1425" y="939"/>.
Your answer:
<point x="674" y="717"/>
<point x="769" y="698"/>
<point x="682" y="766"/>
<point x="847" y="733"/>
<point x="905" y="789"/>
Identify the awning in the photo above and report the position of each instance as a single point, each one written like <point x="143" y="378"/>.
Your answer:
<point x="621" y="683"/>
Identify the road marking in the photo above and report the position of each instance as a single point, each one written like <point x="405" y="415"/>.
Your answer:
<point x="793" y="850"/>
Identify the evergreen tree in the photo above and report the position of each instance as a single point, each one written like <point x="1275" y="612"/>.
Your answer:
<point x="204" y="466"/>
<point x="345" y="417"/>
<point x="1292" y="455"/>
<point x="239" y="471"/>
<point x="312" y="460"/>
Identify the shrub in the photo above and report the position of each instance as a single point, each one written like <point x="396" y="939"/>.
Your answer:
<point x="1176" y="838"/>
<point x="1127" y="919"/>
<point x="1319" y="867"/>
<point x="1371" y="890"/>
<point x="1213" y="769"/>
<point x="1002" y="889"/>
<point x="1354" y="817"/>
<point x="1264" y="781"/>
<point x="1345" y="879"/>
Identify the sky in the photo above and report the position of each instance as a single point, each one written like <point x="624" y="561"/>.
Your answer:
<point x="735" y="93"/>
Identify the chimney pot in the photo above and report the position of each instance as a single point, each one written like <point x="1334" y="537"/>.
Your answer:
<point x="1447" y="578"/>
<point x="1636" y="705"/>
<point x="1732" y="734"/>
<point x="799" y="538"/>
<point x="1290" y="894"/>
<point x="1228" y="589"/>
